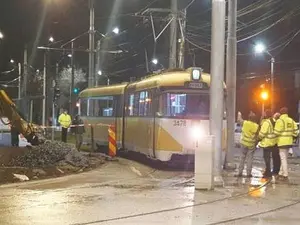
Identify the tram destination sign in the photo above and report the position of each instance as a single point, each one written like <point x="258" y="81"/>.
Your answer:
<point x="196" y="85"/>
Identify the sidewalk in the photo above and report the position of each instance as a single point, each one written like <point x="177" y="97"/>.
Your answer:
<point x="258" y="168"/>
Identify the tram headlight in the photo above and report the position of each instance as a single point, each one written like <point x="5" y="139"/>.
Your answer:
<point x="197" y="132"/>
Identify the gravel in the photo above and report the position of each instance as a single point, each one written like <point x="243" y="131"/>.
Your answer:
<point x="51" y="153"/>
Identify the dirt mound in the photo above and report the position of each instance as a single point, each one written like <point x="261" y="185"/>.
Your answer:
<point x="50" y="153"/>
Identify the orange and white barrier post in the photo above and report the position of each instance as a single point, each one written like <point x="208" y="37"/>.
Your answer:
<point x="112" y="144"/>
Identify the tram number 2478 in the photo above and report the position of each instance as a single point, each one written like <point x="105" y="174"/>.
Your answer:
<point x="179" y="123"/>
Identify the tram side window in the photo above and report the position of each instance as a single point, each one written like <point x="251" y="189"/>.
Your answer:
<point x="104" y="106"/>
<point x="133" y="104"/>
<point x="83" y="107"/>
<point x="145" y="104"/>
<point x="184" y="104"/>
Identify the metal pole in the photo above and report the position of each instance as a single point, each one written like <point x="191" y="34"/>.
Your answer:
<point x="231" y="81"/>
<point x="272" y="84"/>
<point x="19" y="82"/>
<point x="173" y="35"/>
<point x="44" y="90"/>
<point x="182" y="43"/>
<point x="108" y="81"/>
<point x="147" y="61"/>
<point x="25" y="72"/>
<point x="91" y="80"/>
<point x="262" y="109"/>
<point x="217" y="80"/>
<point x="72" y="80"/>
<point x="31" y="110"/>
<point x="98" y="60"/>
<point x="24" y="86"/>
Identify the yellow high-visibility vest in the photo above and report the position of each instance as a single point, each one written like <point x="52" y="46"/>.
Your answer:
<point x="267" y="135"/>
<point x="65" y="120"/>
<point x="285" y="129"/>
<point x="249" y="130"/>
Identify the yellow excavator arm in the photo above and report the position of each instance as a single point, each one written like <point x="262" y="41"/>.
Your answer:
<point x="33" y="133"/>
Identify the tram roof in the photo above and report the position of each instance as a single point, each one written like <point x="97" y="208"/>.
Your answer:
<point x="173" y="78"/>
<point x="166" y="79"/>
<point x="103" y="90"/>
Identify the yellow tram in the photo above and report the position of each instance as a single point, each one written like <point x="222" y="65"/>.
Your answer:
<point x="157" y="116"/>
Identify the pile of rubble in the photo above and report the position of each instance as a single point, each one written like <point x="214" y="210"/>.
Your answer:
<point x="51" y="153"/>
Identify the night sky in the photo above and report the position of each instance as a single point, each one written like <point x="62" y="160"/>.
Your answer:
<point x="275" y="23"/>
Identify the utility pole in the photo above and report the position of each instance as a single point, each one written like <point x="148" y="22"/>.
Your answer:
<point x="54" y="84"/>
<point x="44" y="89"/>
<point x="25" y="78"/>
<point x="182" y="43"/>
<point x="19" y="82"/>
<point x="97" y="61"/>
<point x="217" y="80"/>
<point x="147" y="61"/>
<point x="173" y="35"/>
<point x="91" y="80"/>
<point x="72" y="79"/>
<point x="231" y="82"/>
<point x="272" y="84"/>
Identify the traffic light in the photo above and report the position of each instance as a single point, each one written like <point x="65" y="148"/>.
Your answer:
<point x="76" y="90"/>
<point x="264" y="95"/>
<point x="56" y="93"/>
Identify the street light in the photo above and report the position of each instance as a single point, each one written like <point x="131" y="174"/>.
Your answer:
<point x="12" y="61"/>
<point x="116" y="30"/>
<point x="99" y="72"/>
<point x="154" y="61"/>
<point x="1" y="35"/>
<point x="260" y="48"/>
<point x="51" y="39"/>
<point x="70" y="55"/>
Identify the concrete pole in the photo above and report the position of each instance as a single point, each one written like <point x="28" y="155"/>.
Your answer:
<point x="231" y="82"/>
<point x="72" y="79"/>
<point x="272" y="84"/>
<point x="91" y="76"/>
<point x="217" y="76"/>
<point x="173" y="35"/>
<point x="44" y="90"/>
<point x="182" y="43"/>
<point x="98" y="60"/>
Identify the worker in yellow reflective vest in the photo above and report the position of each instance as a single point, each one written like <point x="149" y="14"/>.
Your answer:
<point x="268" y="142"/>
<point x="65" y="121"/>
<point x="248" y="142"/>
<point x="286" y="130"/>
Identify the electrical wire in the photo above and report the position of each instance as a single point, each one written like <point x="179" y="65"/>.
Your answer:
<point x="188" y="5"/>
<point x="288" y="15"/>
<point x="289" y="42"/>
<point x="192" y="43"/>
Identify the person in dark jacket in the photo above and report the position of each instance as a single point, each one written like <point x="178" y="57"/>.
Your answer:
<point x="79" y="130"/>
<point x="14" y="136"/>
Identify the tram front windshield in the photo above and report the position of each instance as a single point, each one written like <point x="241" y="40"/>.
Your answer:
<point x="184" y="105"/>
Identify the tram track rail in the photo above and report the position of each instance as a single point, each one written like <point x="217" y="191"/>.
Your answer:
<point x="176" y="208"/>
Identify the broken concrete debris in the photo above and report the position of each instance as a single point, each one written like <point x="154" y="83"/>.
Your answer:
<point x="51" y="153"/>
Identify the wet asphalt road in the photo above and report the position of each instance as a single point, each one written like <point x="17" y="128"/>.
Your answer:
<point x="127" y="192"/>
